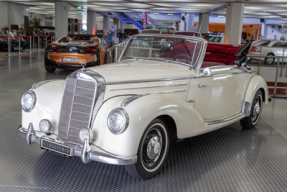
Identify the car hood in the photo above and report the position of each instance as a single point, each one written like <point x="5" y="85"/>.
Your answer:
<point x="141" y="70"/>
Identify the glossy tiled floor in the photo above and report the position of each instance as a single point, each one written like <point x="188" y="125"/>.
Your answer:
<point x="229" y="159"/>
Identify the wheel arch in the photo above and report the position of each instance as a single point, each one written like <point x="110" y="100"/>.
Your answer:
<point x="170" y="123"/>
<point x="256" y="83"/>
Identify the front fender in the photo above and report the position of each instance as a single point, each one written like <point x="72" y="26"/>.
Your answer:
<point x="256" y="83"/>
<point x="141" y="112"/>
<point x="48" y="105"/>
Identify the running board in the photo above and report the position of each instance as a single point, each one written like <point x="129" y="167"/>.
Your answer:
<point x="225" y="120"/>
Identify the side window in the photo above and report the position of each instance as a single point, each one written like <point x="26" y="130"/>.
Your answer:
<point x="278" y="44"/>
<point x="283" y="44"/>
<point x="264" y="43"/>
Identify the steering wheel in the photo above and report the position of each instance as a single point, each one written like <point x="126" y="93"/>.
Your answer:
<point x="184" y="56"/>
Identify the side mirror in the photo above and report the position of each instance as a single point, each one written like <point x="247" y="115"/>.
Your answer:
<point x="207" y="71"/>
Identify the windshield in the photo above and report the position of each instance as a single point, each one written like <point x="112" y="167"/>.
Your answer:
<point x="181" y="50"/>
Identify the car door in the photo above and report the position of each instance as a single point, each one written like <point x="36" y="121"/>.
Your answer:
<point x="221" y="94"/>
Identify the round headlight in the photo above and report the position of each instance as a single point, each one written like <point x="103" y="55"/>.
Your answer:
<point x="45" y="126"/>
<point x="28" y="101"/>
<point x="118" y="121"/>
<point x="86" y="134"/>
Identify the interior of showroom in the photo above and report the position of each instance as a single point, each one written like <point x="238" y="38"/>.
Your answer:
<point x="143" y="95"/>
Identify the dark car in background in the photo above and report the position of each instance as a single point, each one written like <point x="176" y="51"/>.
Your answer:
<point x="14" y="42"/>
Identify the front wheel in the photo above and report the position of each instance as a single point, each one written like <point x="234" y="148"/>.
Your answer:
<point x="152" y="151"/>
<point x="50" y="69"/>
<point x="256" y="109"/>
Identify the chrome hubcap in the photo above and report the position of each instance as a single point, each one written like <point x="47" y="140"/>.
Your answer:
<point x="269" y="60"/>
<point x="256" y="109"/>
<point x="153" y="148"/>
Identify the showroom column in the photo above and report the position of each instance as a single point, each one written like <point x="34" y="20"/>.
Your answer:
<point x="61" y="19"/>
<point x="233" y="26"/>
<point x="189" y="22"/>
<point x="91" y="22"/>
<point x="122" y="26"/>
<point x="106" y="25"/>
<point x="203" y="23"/>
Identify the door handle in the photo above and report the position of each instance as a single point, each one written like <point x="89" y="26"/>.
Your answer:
<point x="201" y="85"/>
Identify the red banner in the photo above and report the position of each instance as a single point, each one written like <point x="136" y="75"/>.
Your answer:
<point x="144" y="16"/>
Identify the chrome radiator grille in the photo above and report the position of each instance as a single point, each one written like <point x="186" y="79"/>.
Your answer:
<point x="76" y="109"/>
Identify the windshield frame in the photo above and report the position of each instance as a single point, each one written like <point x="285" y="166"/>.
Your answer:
<point x="198" y="61"/>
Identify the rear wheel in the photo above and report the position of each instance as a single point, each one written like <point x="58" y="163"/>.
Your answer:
<point x="256" y="109"/>
<point x="269" y="60"/>
<point x="152" y="151"/>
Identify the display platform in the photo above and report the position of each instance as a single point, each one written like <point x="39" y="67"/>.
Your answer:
<point x="229" y="159"/>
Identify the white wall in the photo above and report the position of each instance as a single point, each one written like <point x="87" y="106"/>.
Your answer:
<point x="16" y="13"/>
<point x="3" y="14"/>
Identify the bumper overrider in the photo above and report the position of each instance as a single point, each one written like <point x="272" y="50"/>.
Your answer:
<point x="83" y="151"/>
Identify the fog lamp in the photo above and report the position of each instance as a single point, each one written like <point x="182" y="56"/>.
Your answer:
<point x="86" y="134"/>
<point x="45" y="126"/>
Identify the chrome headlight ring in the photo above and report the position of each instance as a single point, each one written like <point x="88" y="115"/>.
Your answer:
<point x="32" y="100"/>
<point x="118" y="121"/>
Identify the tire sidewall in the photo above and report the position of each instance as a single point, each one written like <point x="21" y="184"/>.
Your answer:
<point x="142" y="170"/>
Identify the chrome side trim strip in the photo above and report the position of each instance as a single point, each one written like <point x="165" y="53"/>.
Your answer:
<point x="224" y="119"/>
<point x="173" y="79"/>
<point x="147" y="81"/>
<point x="227" y="123"/>
<point x="174" y="91"/>
<point x="127" y="101"/>
<point x="156" y="86"/>
<point x="221" y="74"/>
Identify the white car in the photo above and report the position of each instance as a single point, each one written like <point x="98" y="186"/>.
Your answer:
<point x="126" y="113"/>
<point x="269" y="48"/>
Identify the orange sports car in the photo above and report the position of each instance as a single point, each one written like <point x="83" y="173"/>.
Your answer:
<point x="74" y="50"/>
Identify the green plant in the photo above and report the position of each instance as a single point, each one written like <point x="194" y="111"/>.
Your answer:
<point x="33" y="24"/>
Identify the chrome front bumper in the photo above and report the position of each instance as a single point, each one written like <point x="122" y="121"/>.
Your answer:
<point x="83" y="151"/>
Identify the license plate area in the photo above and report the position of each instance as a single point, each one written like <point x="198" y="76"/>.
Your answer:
<point x="70" y="60"/>
<point x="56" y="147"/>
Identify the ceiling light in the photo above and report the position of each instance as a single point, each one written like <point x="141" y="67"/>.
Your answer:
<point x="170" y="14"/>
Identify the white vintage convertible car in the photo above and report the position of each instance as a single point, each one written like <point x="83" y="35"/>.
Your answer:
<point x="127" y="113"/>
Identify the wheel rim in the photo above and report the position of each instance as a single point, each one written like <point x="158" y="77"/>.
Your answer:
<point x="152" y="147"/>
<point x="269" y="60"/>
<point x="257" y="107"/>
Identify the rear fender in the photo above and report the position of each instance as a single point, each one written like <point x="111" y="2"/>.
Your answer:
<point x="256" y="83"/>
